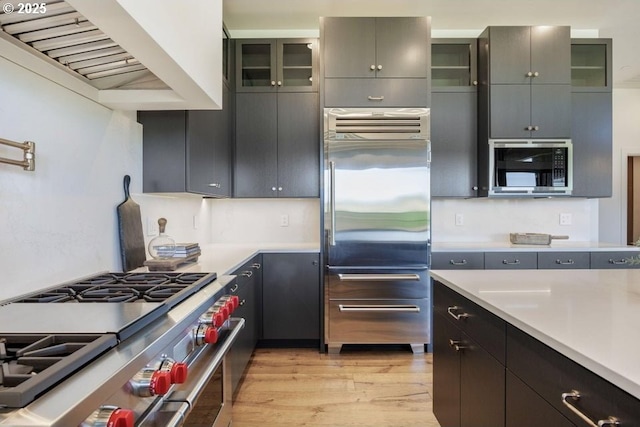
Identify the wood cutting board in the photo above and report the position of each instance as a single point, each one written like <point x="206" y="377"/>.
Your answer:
<point x="132" y="250"/>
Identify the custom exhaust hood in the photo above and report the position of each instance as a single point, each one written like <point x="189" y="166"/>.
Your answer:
<point x="96" y="49"/>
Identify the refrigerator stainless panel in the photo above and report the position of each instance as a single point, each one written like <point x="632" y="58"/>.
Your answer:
<point x="378" y="201"/>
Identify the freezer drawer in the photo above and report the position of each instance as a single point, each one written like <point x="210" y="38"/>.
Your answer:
<point x="379" y="321"/>
<point x="379" y="285"/>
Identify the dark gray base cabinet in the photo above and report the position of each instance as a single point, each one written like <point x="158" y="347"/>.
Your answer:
<point x="487" y="372"/>
<point x="468" y="359"/>
<point x="248" y="288"/>
<point x="291" y="296"/>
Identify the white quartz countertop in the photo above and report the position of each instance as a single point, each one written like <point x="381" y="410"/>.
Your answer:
<point x="555" y="246"/>
<point x="590" y="316"/>
<point x="224" y="258"/>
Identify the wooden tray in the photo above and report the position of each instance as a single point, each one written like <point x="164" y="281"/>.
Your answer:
<point x="170" y="264"/>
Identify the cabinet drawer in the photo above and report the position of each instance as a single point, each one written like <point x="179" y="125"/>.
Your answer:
<point x="485" y="328"/>
<point x="618" y="259"/>
<point x="396" y="285"/>
<point x="525" y="408"/>
<point x="510" y="260"/>
<point x="563" y="260"/>
<point x="550" y="374"/>
<point x="375" y="92"/>
<point x="376" y="322"/>
<point x="457" y="260"/>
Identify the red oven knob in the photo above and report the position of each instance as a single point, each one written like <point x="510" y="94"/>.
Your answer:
<point x="212" y="318"/>
<point x="150" y="382"/>
<point x="211" y="335"/>
<point x="179" y="373"/>
<point x="160" y="383"/>
<point x="121" y="418"/>
<point x="223" y="309"/>
<point x="218" y="320"/>
<point x="110" y="416"/>
<point x="235" y="300"/>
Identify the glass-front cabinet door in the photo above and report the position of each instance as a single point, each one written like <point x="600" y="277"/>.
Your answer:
<point x="453" y="63"/>
<point x="284" y="65"/>
<point x="591" y="65"/>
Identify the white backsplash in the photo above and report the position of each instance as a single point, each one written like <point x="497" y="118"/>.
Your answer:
<point x="491" y="220"/>
<point x="259" y="220"/>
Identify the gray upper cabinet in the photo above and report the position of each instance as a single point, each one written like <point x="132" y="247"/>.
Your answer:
<point x="277" y="145"/>
<point x="592" y="127"/>
<point x="454" y="136"/>
<point x="376" y="62"/>
<point x="188" y="151"/>
<point x="527" y="74"/>
<point x="276" y="65"/>
<point x="376" y="47"/>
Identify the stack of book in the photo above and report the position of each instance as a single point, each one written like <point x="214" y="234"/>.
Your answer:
<point x="187" y="250"/>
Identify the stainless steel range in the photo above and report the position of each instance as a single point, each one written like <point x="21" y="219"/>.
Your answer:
<point x="118" y="349"/>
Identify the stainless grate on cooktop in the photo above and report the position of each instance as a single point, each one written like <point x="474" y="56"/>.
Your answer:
<point x="58" y="31"/>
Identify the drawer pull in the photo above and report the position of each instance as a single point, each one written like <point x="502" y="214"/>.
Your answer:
<point x="256" y="265"/>
<point x="618" y="262"/>
<point x="377" y="277"/>
<point x="454" y="315"/>
<point x="575" y="396"/>
<point x="514" y="262"/>
<point x="567" y="262"/>
<point x="375" y="98"/>
<point x="234" y="288"/>
<point x="456" y="345"/>
<point x="453" y="262"/>
<point x="247" y="273"/>
<point x="380" y="308"/>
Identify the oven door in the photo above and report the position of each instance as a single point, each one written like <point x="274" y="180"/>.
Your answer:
<point x="205" y="398"/>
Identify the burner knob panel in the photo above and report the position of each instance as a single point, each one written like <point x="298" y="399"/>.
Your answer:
<point x="151" y="382"/>
<point x="110" y="416"/>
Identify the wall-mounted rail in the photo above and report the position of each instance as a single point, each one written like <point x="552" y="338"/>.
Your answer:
<point x="29" y="150"/>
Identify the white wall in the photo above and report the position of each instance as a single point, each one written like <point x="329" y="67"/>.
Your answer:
<point x="490" y="220"/>
<point x="626" y="142"/>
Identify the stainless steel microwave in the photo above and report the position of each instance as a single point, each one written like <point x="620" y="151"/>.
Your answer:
<point x="530" y="167"/>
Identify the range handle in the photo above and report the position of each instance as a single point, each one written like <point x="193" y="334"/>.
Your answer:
<point x="365" y="277"/>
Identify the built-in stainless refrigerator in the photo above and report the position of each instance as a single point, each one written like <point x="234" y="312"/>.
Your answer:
<point x="377" y="226"/>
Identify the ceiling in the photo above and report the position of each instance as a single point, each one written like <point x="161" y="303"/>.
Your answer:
<point x="616" y="19"/>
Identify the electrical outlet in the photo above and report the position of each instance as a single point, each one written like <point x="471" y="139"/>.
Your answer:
<point x="459" y="219"/>
<point x="152" y="227"/>
<point x="565" y="219"/>
<point x="284" y="220"/>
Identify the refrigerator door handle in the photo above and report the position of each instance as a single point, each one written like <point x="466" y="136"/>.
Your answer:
<point x="377" y="277"/>
<point x="332" y="202"/>
<point x="379" y="308"/>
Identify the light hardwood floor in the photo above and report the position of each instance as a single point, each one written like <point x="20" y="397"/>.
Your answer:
<point x="359" y="387"/>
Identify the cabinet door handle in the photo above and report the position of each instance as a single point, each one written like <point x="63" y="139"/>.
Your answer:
<point x="536" y="128"/>
<point x="234" y="288"/>
<point x="618" y="262"/>
<point x="514" y="262"/>
<point x="530" y="74"/>
<point x="474" y="83"/>
<point x="400" y="308"/>
<point x="215" y="184"/>
<point x="567" y="262"/>
<point x="279" y="83"/>
<point x="375" y="98"/>
<point x="376" y="277"/>
<point x="529" y="128"/>
<point x="575" y="396"/>
<point x="454" y="315"/>
<point x="247" y="273"/>
<point x="536" y="74"/>
<point x="456" y="345"/>
<point x="273" y="82"/>
<point x="332" y="202"/>
<point x="454" y="262"/>
<point x="279" y="188"/>
<point x="379" y="67"/>
<point x="256" y="265"/>
<point x="372" y="67"/>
